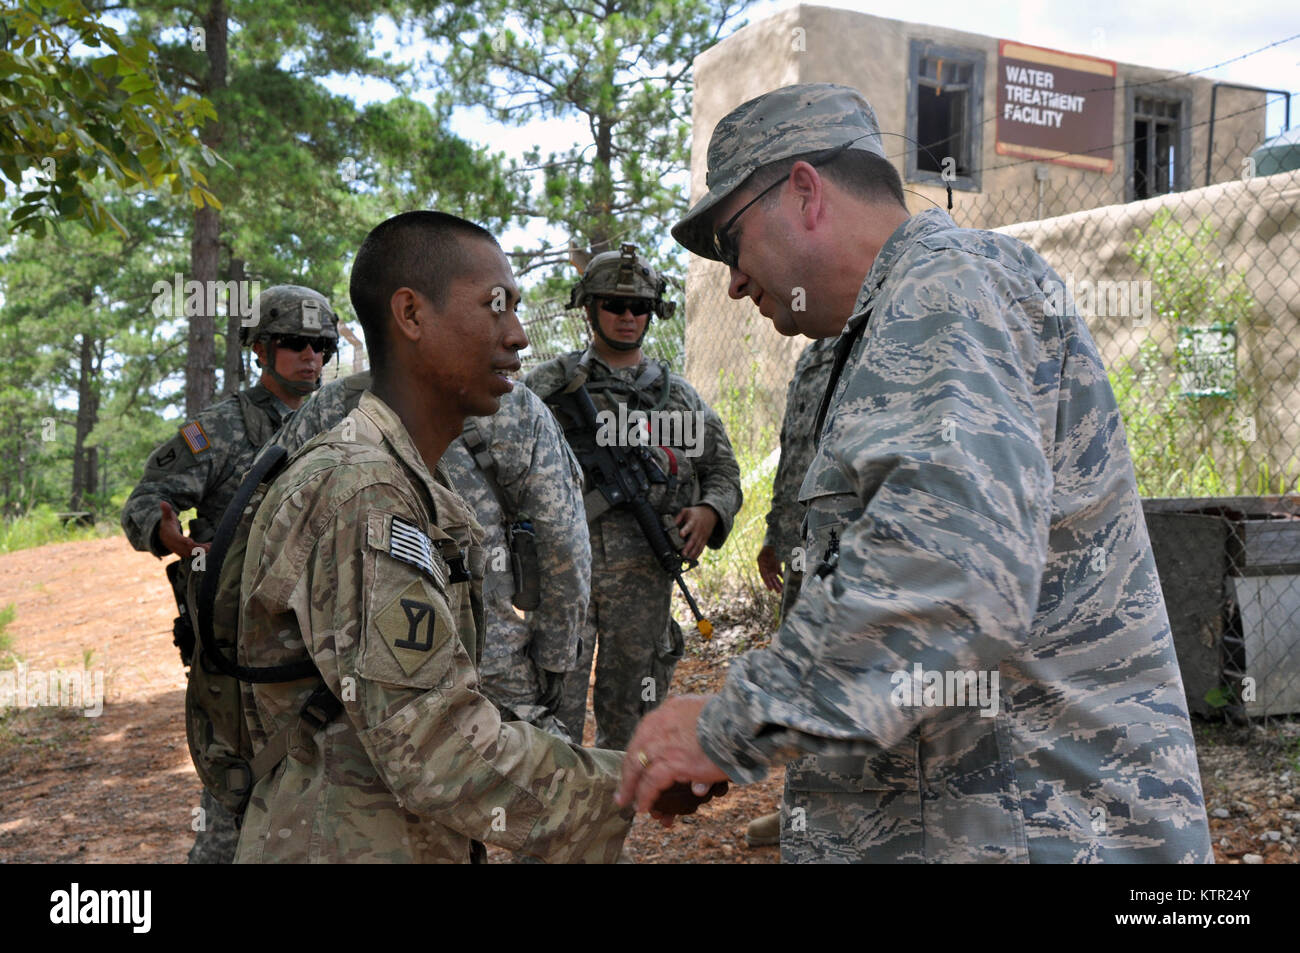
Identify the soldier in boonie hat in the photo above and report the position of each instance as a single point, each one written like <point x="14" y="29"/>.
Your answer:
<point x="969" y="461"/>
<point x="791" y="121"/>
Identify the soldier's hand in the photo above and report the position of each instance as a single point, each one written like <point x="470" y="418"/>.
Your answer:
<point x="663" y="751"/>
<point x="696" y="523"/>
<point x="552" y="688"/>
<point x="173" y="537"/>
<point x="769" y="567"/>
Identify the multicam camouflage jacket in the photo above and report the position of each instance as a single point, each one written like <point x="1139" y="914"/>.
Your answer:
<point x="798" y="443"/>
<point x="981" y="665"/>
<point x="356" y="558"/>
<point x="536" y="475"/>
<point x="202" y="466"/>
<point x="705" y="465"/>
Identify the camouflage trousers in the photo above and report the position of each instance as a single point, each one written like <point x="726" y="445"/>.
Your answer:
<point x="636" y="644"/>
<point x="216" y="840"/>
<point x="511" y="682"/>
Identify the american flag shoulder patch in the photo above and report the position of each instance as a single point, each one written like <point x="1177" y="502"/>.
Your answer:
<point x="195" y="438"/>
<point x="409" y="544"/>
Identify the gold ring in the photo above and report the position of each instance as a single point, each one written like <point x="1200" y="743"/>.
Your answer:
<point x="643" y="758"/>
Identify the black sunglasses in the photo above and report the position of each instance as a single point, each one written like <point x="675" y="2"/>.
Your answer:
<point x="638" y="306"/>
<point x="296" y="342"/>
<point x="728" y="251"/>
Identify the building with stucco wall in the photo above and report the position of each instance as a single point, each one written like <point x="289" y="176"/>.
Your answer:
<point x="1020" y="133"/>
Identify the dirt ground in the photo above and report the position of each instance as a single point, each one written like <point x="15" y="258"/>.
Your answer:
<point x="120" y="788"/>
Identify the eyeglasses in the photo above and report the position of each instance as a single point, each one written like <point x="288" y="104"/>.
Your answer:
<point x="725" y="245"/>
<point x="638" y="306"/>
<point x="296" y="342"/>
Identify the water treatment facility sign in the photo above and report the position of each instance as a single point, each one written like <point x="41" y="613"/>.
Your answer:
<point x="1056" y="107"/>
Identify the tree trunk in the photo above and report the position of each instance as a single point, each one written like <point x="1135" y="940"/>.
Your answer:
<point x="230" y="373"/>
<point x="84" y="463"/>
<point x="205" y="250"/>
<point x="602" y="181"/>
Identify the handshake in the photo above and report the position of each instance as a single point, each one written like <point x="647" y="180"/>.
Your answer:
<point x="665" y="771"/>
<point x="681" y="799"/>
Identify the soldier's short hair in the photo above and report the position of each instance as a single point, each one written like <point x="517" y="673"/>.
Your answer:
<point x="863" y="174"/>
<point x="423" y="250"/>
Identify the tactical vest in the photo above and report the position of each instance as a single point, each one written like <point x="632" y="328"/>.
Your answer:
<point x="650" y="392"/>
<point x="520" y="537"/>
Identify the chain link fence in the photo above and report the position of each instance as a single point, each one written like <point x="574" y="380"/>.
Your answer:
<point x="1193" y="297"/>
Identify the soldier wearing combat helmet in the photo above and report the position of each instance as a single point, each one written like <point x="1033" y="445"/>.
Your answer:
<point x="293" y="332"/>
<point x="631" y="595"/>
<point x="614" y="275"/>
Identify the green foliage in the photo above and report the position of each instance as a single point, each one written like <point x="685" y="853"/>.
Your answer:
<point x="8" y="658"/>
<point x="1188" y="285"/>
<point x="80" y="345"/>
<point x="69" y="120"/>
<point x="753" y="438"/>
<point x="42" y="526"/>
<point x="622" y="66"/>
<point x="90" y="374"/>
<point x="1190" y="446"/>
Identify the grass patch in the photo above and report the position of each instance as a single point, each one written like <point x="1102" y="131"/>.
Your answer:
<point x="754" y="441"/>
<point x="42" y="525"/>
<point x="8" y="657"/>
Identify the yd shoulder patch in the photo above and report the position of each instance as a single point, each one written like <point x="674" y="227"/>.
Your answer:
<point x="407" y="543"/>
<point x="413" y="628"/>
<point x="195" y="438"/>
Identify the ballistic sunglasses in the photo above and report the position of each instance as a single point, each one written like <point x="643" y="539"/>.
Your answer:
<point x="638" y="306"/>
<point x="296" y="342"/>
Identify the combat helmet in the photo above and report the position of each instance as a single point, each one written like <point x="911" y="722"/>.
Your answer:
<point x="622" y="274"/>
<point x="289" y="309"/>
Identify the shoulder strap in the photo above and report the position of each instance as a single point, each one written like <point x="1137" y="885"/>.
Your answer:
<point x="317" y="711"/>
<point x="656" y="370"/>
<point x="261" y="416"/>
<point x="842" y="349"/>
<point x="265" y="468"/>
<point x="477" y="447"/>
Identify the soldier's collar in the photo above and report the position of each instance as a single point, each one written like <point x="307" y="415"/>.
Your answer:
<point x="597" y="359"/>
<point x="903" y="237"/>
<point x="396" y="436"/>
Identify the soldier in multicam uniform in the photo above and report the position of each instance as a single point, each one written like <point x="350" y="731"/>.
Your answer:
<point x="973" y="509"/>
<point x="363" y="560"/>
<point x="631" y="595"/>
<point x="519" y="471"/>
<point x="781" y="560"/>
<point x="294" y="332"/>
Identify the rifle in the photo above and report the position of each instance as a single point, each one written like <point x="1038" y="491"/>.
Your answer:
<point x="623" y="476"/>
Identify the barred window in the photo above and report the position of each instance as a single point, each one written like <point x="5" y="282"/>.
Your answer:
<point x="945" y="112"/>
<point x="1156" y="147"/>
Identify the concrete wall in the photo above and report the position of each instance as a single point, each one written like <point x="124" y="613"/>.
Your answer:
<point x="809" y="44"/>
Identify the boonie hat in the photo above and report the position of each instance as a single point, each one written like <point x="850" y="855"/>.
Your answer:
<point x="791" y="121"/>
